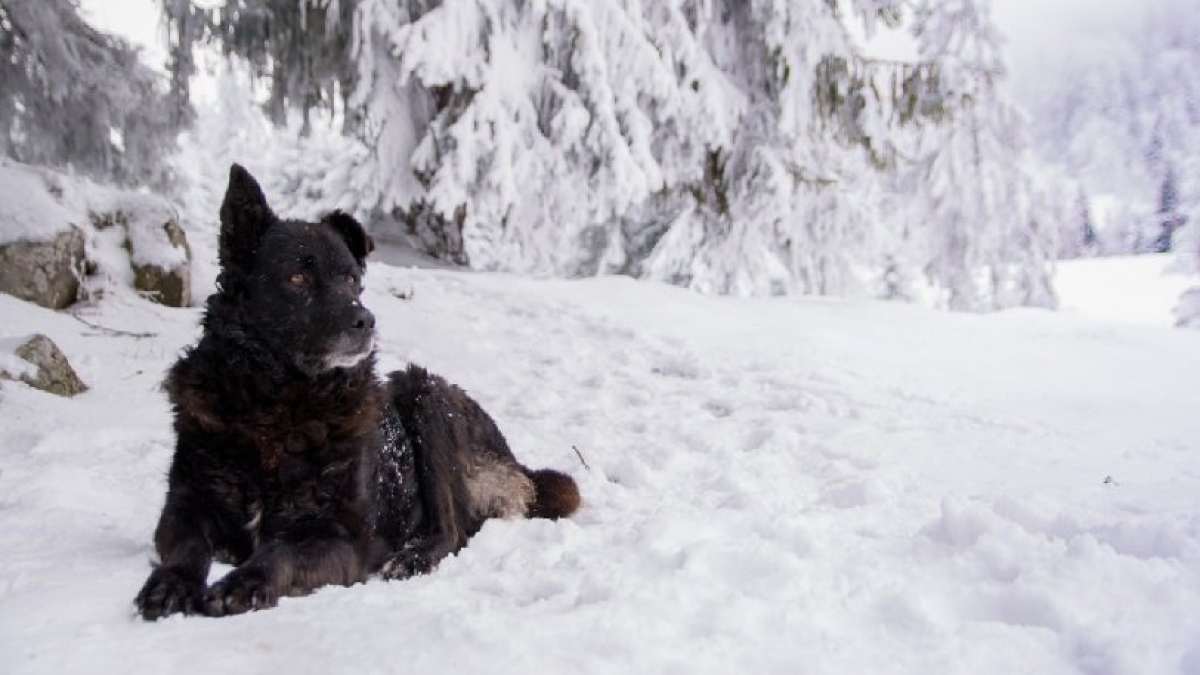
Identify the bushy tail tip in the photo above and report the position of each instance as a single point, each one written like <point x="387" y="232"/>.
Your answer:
<point x="557" y="494"/>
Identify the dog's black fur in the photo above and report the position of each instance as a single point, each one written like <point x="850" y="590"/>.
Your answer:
<point x="293" y="462"/>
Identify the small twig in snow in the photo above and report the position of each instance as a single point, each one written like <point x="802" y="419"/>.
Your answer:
<point x="581" y="459"/>
<point x="111" y="331"/>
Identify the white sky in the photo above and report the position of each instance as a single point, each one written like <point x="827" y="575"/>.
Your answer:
<point x="138" y="20"/>
<point x="1037" y="33"/>
<point x="1039" y="29"/>
<point x="1035" y="29"/>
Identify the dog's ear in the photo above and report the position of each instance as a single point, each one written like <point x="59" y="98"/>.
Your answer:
<point x="352" y="232"/>
<point x="245" y="217"/>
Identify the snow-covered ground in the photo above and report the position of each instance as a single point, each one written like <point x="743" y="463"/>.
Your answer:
<point x="772" y="486"/>
<point x="1141" y="289"/>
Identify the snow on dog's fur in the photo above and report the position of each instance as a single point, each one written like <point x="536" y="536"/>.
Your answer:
<point x="293" y="462"/>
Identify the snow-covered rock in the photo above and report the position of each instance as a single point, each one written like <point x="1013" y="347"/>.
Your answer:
<point x="38" y="362"/>
<point x="158" y="250"/>
<point x="43" y="271"/>
<point x="63" y="239"/>
<point x="41" y="243"/>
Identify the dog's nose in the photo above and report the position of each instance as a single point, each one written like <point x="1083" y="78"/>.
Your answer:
<point x="363" y="319"/>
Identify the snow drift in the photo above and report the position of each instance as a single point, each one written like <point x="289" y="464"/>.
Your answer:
<point x="771" y="485"/>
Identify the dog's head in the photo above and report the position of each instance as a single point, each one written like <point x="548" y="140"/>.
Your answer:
<point x="295" y="285"/>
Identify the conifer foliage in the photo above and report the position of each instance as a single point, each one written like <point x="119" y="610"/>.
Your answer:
<point x="1118" y="113"/>
<point x="731" y="146"/>
<point x="72" y="96"/>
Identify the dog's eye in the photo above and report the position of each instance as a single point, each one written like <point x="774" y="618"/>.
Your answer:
<point x="298" y="279"/>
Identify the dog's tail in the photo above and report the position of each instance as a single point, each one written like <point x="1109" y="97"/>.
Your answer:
<point x="556" y="494"/>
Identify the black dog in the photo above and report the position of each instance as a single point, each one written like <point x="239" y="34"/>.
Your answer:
<point x="293" y="462"/>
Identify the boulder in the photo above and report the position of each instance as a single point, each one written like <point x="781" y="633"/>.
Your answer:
<point x="168" y="286"/>
<point x="64" y="239"/>
<point x="158" y="249"/>
<point x="45" y="272"/>
<point x="40" y="364"/>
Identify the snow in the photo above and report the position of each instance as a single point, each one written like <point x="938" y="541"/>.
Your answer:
<point x="29" y="210"/>
<point x="145" y="216"/>
<point x="120" y="227"/>
<point x="1187" y="312"/>
<point x="676" y="141"/>
<point x="774" y="485"/>
<point x="1138" y="289"/>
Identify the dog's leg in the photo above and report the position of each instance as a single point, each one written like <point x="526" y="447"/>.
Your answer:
<point x="315" y="535"/>
<point x="177" y="582"/>
<point x="284" y="568"/>
<point x="439" y="475"/>
<point x="428" y="414"/>
<point x="465" y="471"/>
<point x="421" y="555"/>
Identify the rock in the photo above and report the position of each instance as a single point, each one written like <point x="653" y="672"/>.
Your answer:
<point x="64" y="239"/>
<point x="49" y="369"/>
<point x="166" y="279"/>
<point x="172" y="288"/>
<point x="44" y="272"/>
<point x="158" y="250"/>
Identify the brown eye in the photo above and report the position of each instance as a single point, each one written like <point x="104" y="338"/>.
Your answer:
<point x="298" y="279"/>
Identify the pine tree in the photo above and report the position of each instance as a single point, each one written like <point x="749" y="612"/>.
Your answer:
<point x="72" y="96"/>
<point x="1187" y="311"/>
<point x="985" y="214"/>
<point x="1079" y="232"/>
<point x="231" y="129"/>
<point x="1169" y="218"/>
<point x="1116" y="112"/>
<point x="732" y="146"/>
<point x="1089" y="240"/>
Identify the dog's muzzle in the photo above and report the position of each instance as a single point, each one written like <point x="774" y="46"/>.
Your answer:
<point x="356" y="343"/>
<point x="349" y="352"/>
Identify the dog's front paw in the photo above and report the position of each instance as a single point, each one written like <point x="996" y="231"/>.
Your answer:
<point x="409" y="561"/>
<point x="166" y="592"/>
<point x="241" y="591"/>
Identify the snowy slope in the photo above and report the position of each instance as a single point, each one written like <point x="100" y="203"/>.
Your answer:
<point x="775" y="486"/>
<point x="1141" y="289"/>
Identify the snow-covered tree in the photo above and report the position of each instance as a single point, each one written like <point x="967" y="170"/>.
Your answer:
<point x="734" y="146"/>
<point x="1187" y="312"/>
<point x="1119" y="113"/>
<point x="1169" y="219"/>
<point x="989" y="236"/>
<point x="72" y="96"/>
<point x="295" y="162"/>
<point x="1079" y="238"/>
